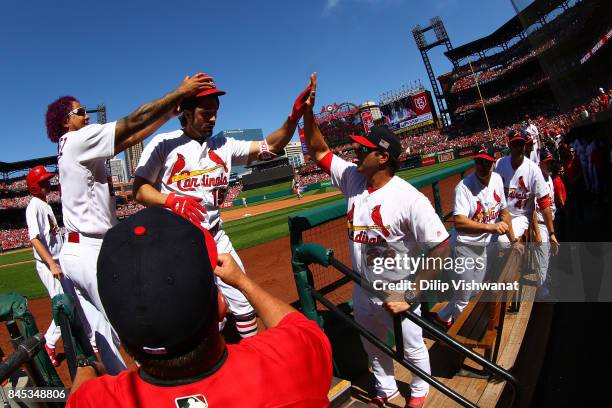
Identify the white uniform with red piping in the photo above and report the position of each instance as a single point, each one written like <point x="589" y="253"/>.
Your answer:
<point x="397" y="212"/>
<point x="522" y="186"/>
<point x="174" y="163"/>
<point x="89" y="210"/>
<point x="43" y="225"/>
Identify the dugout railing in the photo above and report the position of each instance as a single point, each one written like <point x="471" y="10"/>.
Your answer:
<point x="316" y="282"/>
<point x="28" y="343"/>
<point x="306" y="254"/>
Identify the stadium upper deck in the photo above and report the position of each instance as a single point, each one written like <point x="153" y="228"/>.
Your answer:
<point x="525" y="64"/>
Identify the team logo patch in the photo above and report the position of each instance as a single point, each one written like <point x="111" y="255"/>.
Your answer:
<point x="420" y="102"/>
<point x="191" y="401"/>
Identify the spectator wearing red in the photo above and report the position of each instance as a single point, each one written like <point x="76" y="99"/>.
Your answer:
<point x="170" y="326"/>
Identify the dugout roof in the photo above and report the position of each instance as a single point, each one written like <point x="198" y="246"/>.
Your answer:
<point x="28" y="164"/>
<point x="513" y="27"/>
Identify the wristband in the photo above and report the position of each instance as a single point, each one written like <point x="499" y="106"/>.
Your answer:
<point x="550" y="234"/>
<point x="85" y="362"/>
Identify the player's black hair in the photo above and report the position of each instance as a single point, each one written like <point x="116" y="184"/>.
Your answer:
<point x="191" y="103"/>
<point x="393" y="165"/>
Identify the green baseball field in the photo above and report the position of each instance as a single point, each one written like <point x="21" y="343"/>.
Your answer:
<point x="18" y="274"/>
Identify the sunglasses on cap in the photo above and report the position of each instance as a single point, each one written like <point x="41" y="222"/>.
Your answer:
<point x="80" y="111"/>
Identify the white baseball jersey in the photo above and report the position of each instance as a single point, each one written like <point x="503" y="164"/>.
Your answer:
<point x="533" y="132"/>
<point x="479" y="203"/>
<point x="395" y="212"/>
<point x="521" y="185"/>
<point x="551" y="190"/>
<point x="175" y="163"/>
<point x="42" y="224"/>
<point x="88" y="199"/>
<point x="534" y="156"/>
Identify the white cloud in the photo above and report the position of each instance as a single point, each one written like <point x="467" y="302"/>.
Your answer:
<point x="331" y="4"/>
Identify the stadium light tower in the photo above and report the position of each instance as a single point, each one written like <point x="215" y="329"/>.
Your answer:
<point x="441" y="39"/>
<point x="100" y="112"/>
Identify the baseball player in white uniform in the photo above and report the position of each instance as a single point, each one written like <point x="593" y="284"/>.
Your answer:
<point x="381" y="208"/>
<point x="524" y="185"/>
<point x="480" y="215"/>
<point x="542" y="251"/>
<point x="88" y="202"/>
<point x="46" y="242"/>
<point x="187" y="171"/>
<point x="534" y="134"/>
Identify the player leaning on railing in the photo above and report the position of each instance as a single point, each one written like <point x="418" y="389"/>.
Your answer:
<point x="381" y="208"/>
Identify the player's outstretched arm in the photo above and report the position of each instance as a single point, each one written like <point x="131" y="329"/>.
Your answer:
<point x="145" y="120"/>
<point x="278" y="139"/>
<point x="312" y="134"/>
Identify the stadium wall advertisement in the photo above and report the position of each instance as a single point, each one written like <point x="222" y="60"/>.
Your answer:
<point x="446" y="155"/>
<point x="409" y="112"/>
<point x="597" y="46"/>
<point x="428" y="161"/>
<point x="466" y="151"/>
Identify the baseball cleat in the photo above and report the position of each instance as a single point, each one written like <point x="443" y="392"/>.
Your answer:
<point x="382" y="401"/>
<point x="416" y="402"/>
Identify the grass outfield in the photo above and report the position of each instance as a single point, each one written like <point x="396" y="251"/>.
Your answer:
<point x="22" y="278"/>
<point x="255" y="230"/>
<point x="13" y="257"/>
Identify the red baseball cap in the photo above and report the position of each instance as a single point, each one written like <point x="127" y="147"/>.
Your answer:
<point x="208" y="92"/>
<point x="485" y="152"/>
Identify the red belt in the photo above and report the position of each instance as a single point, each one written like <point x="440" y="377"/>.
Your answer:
<point x="74" y="237"/>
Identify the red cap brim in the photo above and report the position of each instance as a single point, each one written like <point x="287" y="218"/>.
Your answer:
<point x="484" y="156"/>
<point x="548" y="159"/>
<point x="47" y="176"/>
<point x="363" y="141"/>
<point x="210" y="92"/>
<point x="516" y="138"/>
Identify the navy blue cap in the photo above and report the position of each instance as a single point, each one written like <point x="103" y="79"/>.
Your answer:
<point x="156" y="282"/>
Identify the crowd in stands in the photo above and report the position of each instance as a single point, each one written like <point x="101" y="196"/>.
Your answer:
<point x="128" y="209"/>
<point x="23" y="201"/>
<point x="232" y="193"/>
<point x="14" y="238"/>
<point x="526" y="84"/>
<point x="19" y="185"/>
<point x="312" y="178"/>
<point x="489" y="75"/>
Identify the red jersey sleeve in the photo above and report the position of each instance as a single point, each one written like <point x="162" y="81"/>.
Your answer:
<point x="296" y="345"/>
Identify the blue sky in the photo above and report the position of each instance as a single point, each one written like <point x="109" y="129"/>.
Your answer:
<point x="261" y="52"/>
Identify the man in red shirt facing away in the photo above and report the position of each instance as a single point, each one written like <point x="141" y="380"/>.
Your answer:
<point x="156" y="281"/>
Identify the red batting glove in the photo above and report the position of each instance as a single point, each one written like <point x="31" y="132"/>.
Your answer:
<point x="187" y="207"/>
<point x="299" y="106"/>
